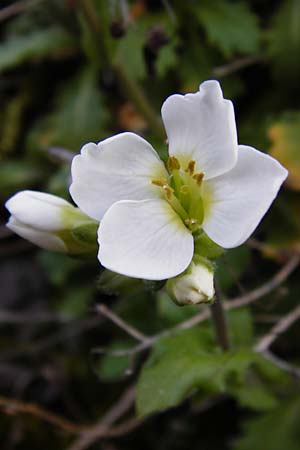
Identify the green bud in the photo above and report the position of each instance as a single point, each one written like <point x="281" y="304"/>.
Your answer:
<point x="195" y="285"/>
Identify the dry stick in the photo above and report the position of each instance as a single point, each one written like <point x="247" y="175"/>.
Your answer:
<point x="12" y="406"/>
<point x="266" y="341"/>
<point x="234" y="66"/>
<point x="237" y="302"/>
<point x="129" y="329"/>
<point x="281" y="363"/>
<point x="16" y="8"/>
<point x="249" y="298"/>
<point x="100" y="429"/>
<point x="13" y="318"/>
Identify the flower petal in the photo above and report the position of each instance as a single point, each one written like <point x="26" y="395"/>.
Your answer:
<point x="241" y="197"/>
<point x="201" y="127"/>
<point x="118" y="168"/>
<point x="43" y="239"/>
<point x="144" y="239"/>
<point x="38" y="209"/>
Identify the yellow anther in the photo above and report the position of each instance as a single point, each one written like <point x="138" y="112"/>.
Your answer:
<point x="184" y="189"/>
<point x="191" y="167"/>
<point x="168" y="191"/>
<point x="157" y="182"/>
<point x="198" y="177"/>
<point x="173" y="163"/>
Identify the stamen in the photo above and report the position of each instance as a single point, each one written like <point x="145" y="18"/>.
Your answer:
<point x="191" y="167"/>
<point x="173" y="163"/>
<point x="184" y="189"/>
<point x="157" y="182"/>
<point x="198" y="177"/>
<point x="168" y="191"/>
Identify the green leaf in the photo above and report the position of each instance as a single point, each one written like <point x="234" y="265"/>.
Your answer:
<point x="39" y="44"/>
<point x="284" y="41"/>
<point x="17" y="175"/>
<point x="112" y="367"/>
<point x="112" y="283"/>
<point x="130" y="51"/>
<point x="256" y="397"/>
<point x="240" y="325"/>
<point x="181" y="363"/>
<point x="232" y="27"/>
<point x="276" y="430"/>
<point x="78" y="117"/>
<point x="232" y="266"/>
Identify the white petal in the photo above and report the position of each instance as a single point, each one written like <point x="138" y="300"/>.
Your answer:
<point x="201" y="127"/>
<point x="241" y="197"/>
<point x="38" y="209"/>
<point x="43" y="239"/>
<point x="119" y="168"/>
<point x="144" y="239"/>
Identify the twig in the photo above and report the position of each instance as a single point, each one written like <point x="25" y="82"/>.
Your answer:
<point x="16" y="8"/>
<point x="12" y="406"/>
<point x="219" y="320"/>
<point x="101" y="428"/>
<point x="129" y="329"/>
<point x="281" y="364"/>
<point x="92" y="432"/>
<point x="283" y="325"/>
<point x="15" y="318"/>
<point x="234" y="66"/>
<point x="237" y="302"/>
<point x="60" y="154"/>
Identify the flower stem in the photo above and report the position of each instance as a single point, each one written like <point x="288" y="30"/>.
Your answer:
<point x="131" y="88"/>
<point x="138" y="98"/>
<point x="220" y="323"/>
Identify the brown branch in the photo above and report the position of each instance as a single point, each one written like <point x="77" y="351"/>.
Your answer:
<point x="14" y="318"/>
<point x="281" y="363"/>
<point x="237" y="302"/>
<point x="236" y="65"/>
<point x="16" y="8"/>
<point x="87" y="433"/>
<point x="100" y="429"/>
<point x="283" y="325"/>
<point x="129" y="329"/>
<point x="12" y="406"/>
<point x="249" y="298"/>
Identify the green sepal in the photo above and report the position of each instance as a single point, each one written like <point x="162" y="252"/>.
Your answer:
<point x="204" y="246"/>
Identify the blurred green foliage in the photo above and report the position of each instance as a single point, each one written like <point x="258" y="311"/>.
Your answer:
<point x="73" y="71"/>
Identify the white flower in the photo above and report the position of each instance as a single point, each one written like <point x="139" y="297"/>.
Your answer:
<point x="49" y="222"/>
<point x="195" y="285"/>
<point x="149" y="212"/>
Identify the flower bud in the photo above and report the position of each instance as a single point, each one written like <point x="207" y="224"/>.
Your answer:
<point x="195" y="285"/>
<point x="51" y="223"/>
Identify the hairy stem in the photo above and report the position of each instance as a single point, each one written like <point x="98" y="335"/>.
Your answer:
<point x="220" y="323"/>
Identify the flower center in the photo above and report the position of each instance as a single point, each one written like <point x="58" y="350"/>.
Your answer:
<point x="183" y="191"/>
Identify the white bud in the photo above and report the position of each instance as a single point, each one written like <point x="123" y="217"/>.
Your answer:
<point x="49" y="222"/>
<point x="195" y="285"/>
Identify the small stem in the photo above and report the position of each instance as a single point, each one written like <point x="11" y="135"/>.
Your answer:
<point x="220" y="324"/>
<point x="129" y="329"/>
<point x="132" y="90"/>
<point x="138" y="98"/>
